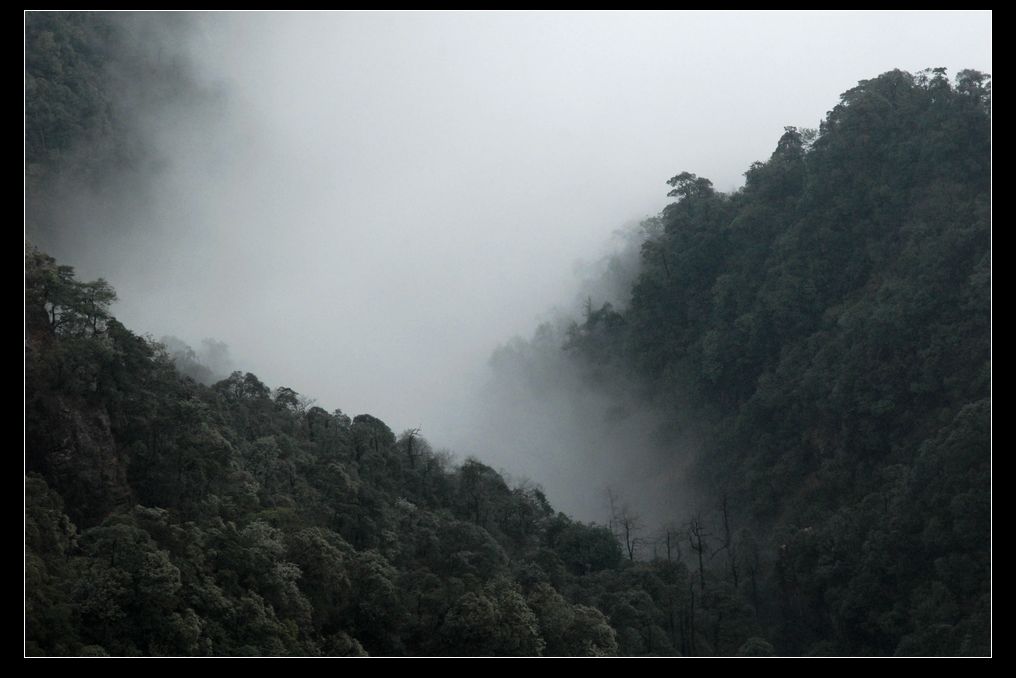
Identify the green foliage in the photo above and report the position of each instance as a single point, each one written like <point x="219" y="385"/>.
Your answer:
<point x="89" y="78"/>
<point x="587" y="548"/>
<point x="494" y="621"/>
<point x="233" y="520"/>
<point x="828" y="324"/>
<point x="56" y="302"/>
<point x="49" y="539"/>
<point x="65" y="62"/>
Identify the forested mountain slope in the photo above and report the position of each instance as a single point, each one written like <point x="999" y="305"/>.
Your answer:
<point x="830" y="324"/>
<point x="166" y="517"/>
<point x="825" y="330"/>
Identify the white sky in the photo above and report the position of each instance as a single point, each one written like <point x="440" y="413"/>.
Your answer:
<point x="380" y="199"/>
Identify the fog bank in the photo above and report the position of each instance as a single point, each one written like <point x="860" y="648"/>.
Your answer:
<point x="364" y="206"/>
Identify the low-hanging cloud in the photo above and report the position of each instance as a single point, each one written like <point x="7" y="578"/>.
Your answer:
<point x="364" y="205"/>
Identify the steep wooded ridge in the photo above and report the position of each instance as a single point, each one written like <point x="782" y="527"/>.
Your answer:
<point x="826" y="328"/>
<point x="167" y="517"/>
<point x="828" y="325"/>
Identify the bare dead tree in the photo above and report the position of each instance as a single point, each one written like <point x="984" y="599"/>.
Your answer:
<point x="697" y="534"/>
<point x="625" y="523"/>
<point x="671" y="540"/>
<point x="631" y="525"/>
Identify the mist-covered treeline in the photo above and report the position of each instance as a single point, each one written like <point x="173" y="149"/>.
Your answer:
<point x="167" y="517"/>
<point x="92" y="80"/>
<point x="823" y="336"/>
<point x="776" y="406"/>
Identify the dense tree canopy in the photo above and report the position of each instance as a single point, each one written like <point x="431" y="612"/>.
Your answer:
<point x="831" y="322"/>
<point x="828" y="326"/>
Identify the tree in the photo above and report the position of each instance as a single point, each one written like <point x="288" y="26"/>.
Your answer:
<point x="69" y="307"/>
<point x="626" y="523"/>
<point x="409" y="442"/>
<point x="688" y="186"/>
<point x="697" y="535"/>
